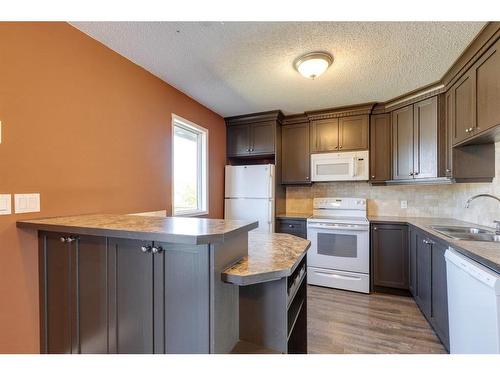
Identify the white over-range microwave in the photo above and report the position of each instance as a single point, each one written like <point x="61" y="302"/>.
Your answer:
<point x="340" y="166"/>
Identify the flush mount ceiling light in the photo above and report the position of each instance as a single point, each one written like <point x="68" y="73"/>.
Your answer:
<point x="314" y="64"/>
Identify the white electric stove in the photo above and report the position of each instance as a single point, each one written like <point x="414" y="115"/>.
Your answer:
<point x="339" y="256"/>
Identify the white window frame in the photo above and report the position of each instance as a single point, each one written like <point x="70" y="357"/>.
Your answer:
<point x="203" y="193"/>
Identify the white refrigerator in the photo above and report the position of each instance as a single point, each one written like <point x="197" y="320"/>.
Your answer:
<point x="249" y="195"/>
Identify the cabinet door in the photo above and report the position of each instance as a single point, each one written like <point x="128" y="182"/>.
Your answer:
<point x="449" y="120"/>
<point x="413" y="262"/>
<point x="353" y="133"/>
<point x="238" y="140"/>
<point x="424" y="287"/>
<point x="130" y="298"/>
<point x="262" y="135"/>
<point x="380" y="147"/>
<point x="184" y="291"/>
<point x="487" y="71"/>
<point x="390" y="255"/>
<point x="440" y="294"/>
<point x="57" y="292"/>
<point x="402" y="143"/>
<point x="91" y="255"/>
<point x="425" y="117"/>
<point x="295" y="157"/>
<point x="325" y="135"/>
<point x="292" y="226"/>
<point x="463" y="108"/>
<point x="73" y="294"/>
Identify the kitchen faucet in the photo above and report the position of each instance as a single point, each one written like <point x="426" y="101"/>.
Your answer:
<point x="467" y="204"/>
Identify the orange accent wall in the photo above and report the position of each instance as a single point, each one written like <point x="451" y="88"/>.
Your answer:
<point x="91" y="132"/>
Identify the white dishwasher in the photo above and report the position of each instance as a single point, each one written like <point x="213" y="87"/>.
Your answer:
<point x="473" y="306"/>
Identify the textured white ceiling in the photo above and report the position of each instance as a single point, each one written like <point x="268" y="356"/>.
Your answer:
<point x="243" y="67"/>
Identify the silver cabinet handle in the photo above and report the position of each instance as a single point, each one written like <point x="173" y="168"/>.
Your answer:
<point x="156" y="250"/>
<point x="67" y="239"/>
<point x="146" y="249"/>
<point x="373" y="176"/>
<point x="307" y="178"/>
<point x="467" y="130"/>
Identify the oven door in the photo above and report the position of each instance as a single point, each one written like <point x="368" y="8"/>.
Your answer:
<point x="339" y="247"/>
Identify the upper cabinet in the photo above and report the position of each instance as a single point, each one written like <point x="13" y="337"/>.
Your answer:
<point x="414" y="140"/>
<point x="325" y="135"/>
<point x="339" y="134"/>
<point x="353" y="133"/>
<point x="380" y="147"/>
<point x="474" y="98"/>
<point x="295" y="153"/>
<point x="253" y="135"/>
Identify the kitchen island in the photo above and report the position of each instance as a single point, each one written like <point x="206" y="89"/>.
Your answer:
<point x="138" y="284"/>
<point x="272" y="282"/>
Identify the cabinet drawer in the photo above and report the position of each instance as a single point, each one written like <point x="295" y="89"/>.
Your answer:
<point x="290" y="226"/>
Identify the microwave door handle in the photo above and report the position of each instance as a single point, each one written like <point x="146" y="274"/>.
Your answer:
<point x="354" y="166"/>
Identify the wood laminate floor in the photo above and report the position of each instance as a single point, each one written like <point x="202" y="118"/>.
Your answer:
<point x="348" y="322"/>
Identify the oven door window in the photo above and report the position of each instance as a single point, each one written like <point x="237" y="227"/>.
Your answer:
<point x="338" y="245"/>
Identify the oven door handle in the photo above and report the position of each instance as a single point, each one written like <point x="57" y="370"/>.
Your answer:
<point x="335" y="227"/>
<point x="335" y="276"/>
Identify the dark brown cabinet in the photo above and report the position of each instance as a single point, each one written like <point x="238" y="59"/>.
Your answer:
<point x="439" y="315"/>
<point x="462" y="108"/>
<point x="428" y="282"/>
<point x="424" y="286"/>
<point x="131" y="298"/>
<point x="325" y="135"/>
<point x="414" y="140"/>
<point x="238" y="140"/>
<point x="380" y="147"/>
<point x="262" y="138"/>
<point x="251" y="139"/>
<point x="353" y="133"/>
<point x="109" y="295"/>
<point x="475" y="96"/>
<point x="340" y="134"/>
<point x="295" y="154"/>
<point x="73" y="280"/>
<point x="390" y="255"/>
<point x="292" y="226"/>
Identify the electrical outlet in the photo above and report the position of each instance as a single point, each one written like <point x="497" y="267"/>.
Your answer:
<point x="5" y="204"/>
<point x="26" y="203"/>
<point x="404" y="204"/>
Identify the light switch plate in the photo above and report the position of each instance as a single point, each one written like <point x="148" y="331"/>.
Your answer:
<point x="404" y="204"/>
<point x="5" y="204"/>
<point x="25" y="203"/>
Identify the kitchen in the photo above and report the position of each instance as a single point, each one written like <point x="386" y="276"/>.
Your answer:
<point x="325" y="228"/>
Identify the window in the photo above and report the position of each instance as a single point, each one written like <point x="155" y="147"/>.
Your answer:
<point x="190" y="177"/>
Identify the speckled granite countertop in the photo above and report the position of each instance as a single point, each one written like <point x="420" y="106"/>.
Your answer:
<point x="486" y="253"/>
<point x="294" y="215"/>
<point x="270" y="257"/>
<point x="167" y="229"/>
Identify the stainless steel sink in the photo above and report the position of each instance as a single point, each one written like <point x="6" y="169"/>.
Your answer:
<point x="467" y="233"/>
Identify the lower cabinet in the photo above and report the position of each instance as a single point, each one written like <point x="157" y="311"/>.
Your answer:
<point x="297" y="227"/>
<point x="390" y="255"/>
<point x="428" y="281"/>
<point x="108" y="295"/>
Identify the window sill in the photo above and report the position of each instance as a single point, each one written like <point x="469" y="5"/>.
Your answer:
<point x="190" y="214"/>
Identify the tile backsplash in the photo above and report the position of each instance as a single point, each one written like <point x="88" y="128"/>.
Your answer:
<point x="423" y="200"/>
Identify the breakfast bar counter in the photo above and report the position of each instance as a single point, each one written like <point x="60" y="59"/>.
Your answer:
<point x="138" y="284"/>
<point x="270" y="257"/>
